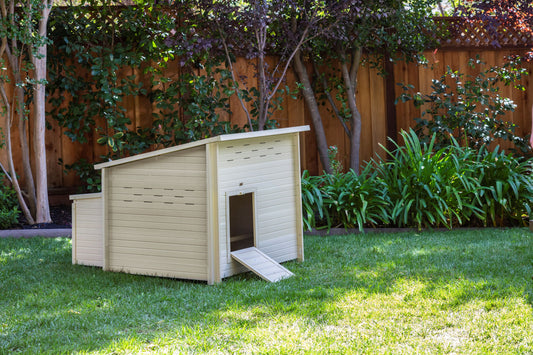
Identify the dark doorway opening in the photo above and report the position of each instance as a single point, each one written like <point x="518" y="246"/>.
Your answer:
<point x="241" y="221"/>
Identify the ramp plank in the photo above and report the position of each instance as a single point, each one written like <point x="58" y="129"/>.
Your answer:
<point x="261" y="264"/>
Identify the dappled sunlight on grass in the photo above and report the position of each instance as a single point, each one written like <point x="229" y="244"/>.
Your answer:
<point x="431" y="292"/>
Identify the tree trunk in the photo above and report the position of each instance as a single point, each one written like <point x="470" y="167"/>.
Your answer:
<point x="310" y="100"/>
<point x="24" y="146"/>
<point x="39" y="123"/>
<point x="350" y="82"/>
<point x="262" y="111"/>
<point x="11" y="166"/>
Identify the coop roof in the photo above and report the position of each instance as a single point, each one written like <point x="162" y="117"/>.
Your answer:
<point x="221" y="138"/>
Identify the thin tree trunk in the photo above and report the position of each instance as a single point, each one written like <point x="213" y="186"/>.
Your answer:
<point x="39" y="123"/>
<point x="310" y="100"/>
<point x="25" y="148"/>
<point x="350" y="81"/>
<point x="11" y="166"/>
<point x="263" y="111"/>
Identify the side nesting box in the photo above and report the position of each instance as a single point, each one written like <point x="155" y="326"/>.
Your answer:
<point x="205" y="210"/>
<point x="87" y="238"/>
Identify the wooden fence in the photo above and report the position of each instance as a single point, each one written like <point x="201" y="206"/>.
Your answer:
<point x="375" y="95"/>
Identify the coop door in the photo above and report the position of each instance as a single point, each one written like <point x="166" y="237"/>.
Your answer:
<point x="241" y="221"/>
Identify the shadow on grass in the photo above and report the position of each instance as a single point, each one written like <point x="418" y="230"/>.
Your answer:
<point x="48" y="305"/>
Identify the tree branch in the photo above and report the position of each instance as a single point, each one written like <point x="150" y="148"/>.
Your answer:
<point x="330" y="99"/>
<point x="232" y="71"/>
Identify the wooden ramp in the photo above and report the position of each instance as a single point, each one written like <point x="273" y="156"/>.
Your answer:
<point x="261" y="264"/>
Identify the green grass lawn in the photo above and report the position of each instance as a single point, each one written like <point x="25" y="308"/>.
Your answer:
<point x="432" y="292"/>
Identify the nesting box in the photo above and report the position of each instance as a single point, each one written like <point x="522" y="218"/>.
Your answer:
<point x="204" y="210"/>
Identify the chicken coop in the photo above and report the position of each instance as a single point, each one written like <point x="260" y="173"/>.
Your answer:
<point x="204" y="210"/>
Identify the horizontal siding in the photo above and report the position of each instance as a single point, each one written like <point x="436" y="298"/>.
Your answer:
<point x="162" y="182"/>
<point x="170" y="248"/>
<point x="160" y="223"/>
<point x="152" y="172"/>
<point x="167" y="199"/>
<point x="160" y="272"/>
<point x="157" y="216"/>
<point x="186" y="254"/>
<point x="88" y="240"/>
<point x="267" y="169"/>
<point x="163" y="236"/>
<point x="157" y="263"/>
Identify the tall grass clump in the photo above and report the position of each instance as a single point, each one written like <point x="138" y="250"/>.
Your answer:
<point x="428" y="188"/>
<point x="423" y="187"/>
<point x="344" y="200"/>
<point x="505" y="191"/>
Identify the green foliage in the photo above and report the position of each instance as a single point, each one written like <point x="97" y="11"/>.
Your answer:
<point x="91" y="178"/>
<point x="466" y="292"/>
<point x="419" y="186"/>
<point x="312" y="202"/>
<point x="426" y="187"/>
<point x="347" y="200"/>
<point x="91" y="72"/>
<point x="505" y="187"/>
<point x="9" y="209"/>
<point x="336" y="165"/>
<point x="468" y="108"/>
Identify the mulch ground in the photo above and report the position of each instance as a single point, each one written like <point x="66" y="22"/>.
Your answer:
<point x="61" y="218"/>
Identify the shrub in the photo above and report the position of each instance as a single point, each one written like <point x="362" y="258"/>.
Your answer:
<point x="419" y="186"/>
<point x="427" y="188"/>
<point x="505" y="187"/>
<point x="468" y="108"/>
<point x="9" y="210"/>
<point x="344" y="200"/>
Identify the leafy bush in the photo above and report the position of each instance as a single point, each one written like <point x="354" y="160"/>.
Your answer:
<point x="505" y="187"/>
<point x="426" y="188"/>
<point x="418" y="186"/>
<point x="9" y="210"/>
<point x="344" y="200"/>
<point x="467" y="108"/>
<point x="312" y="202"/>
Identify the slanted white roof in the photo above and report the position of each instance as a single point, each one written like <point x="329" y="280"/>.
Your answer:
<point x="221" y="138"/>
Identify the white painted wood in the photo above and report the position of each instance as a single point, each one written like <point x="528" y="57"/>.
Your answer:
<point x="166" y="214"/>
<point x="105" y="186"/>
<point x="213" y="263"/>
<point x="222" y="138"/>
<point x="158" y="215"/>
<point x="87" y="238"/>
<point x="261" y="264"/>
<point x="273" y="179"/>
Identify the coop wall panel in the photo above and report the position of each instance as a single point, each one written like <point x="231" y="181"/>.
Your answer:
<point x="263" y="165"/>
<point x="87" y="236"/>
<point x="157" y="215"/>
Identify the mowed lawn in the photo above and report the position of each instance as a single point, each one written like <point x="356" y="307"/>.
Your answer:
<point x="429" y="292"/>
